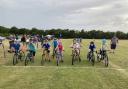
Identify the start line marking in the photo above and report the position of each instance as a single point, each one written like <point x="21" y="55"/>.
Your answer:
<point x="64" y="67"/>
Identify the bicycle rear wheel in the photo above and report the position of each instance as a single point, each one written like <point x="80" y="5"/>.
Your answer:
<point x="73" y="59"/>
<point x="58" y="62"/>
<point x="98" y="57"/>
<point x="93" y="60"/>
<point x="54" y="54"/>
<point x="106" y="62"/>
<point x="26" y="61"/>
<point x="42" y="60"/>
<point x="15" y="59"/>
<point x="79" y="58"/>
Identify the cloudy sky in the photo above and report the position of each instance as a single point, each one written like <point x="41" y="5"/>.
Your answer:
<point x="106" y="15"/>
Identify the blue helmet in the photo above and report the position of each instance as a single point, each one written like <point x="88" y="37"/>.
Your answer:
<point x="104" y="41"/>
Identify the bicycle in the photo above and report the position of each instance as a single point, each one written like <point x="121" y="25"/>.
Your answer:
<point x="91" y="57"/>
<point x="75" y="56"/>
<point x="18" y="55"/>
<point x="103" y="56"/>
<point x="59" y="56"/>
<point x="29" y="57"/>
<point x="44" y="57"/>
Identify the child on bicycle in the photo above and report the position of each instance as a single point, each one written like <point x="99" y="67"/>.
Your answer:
<point x="55" y="44"/>
<point x="32" y="49"/>
<point x="16" y="46"/>
<point x="104" y="47"/>
<point x="46" y="50"/>
<point x="23" y="47"/>
<point x="59" y="51"/>
<point x="104" y="44"/>
<point x="92" y="48"/>
<point x="75" y="47"/>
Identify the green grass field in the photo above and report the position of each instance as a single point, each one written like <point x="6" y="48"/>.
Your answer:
<point x="79" y="76"/>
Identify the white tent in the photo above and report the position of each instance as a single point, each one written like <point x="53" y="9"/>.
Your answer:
<point x="2" y="38"/>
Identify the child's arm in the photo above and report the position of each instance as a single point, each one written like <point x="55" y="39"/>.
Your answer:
<point x="63" y="48"/>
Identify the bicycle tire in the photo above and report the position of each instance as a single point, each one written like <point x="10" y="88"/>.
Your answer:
<point x="93" y="60"/>
<point x="106" y="61"/>
<point x="42" y="60"/>
<point x="57" y="62"/>
<point x="26" y="61"/>
<point x="73" y="59"/>
<point x="15" y="59"/>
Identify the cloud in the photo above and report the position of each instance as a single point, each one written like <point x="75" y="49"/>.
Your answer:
<point x="106" y="15"/>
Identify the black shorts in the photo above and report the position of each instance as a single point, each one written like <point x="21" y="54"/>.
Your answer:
<point x="33" y="53"/>
<point x="113" y="46"/>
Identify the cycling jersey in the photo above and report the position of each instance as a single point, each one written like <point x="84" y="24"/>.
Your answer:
<point x="16" y="47"/>
<point x="92" y="47"/>
<point x="46" y="46"/>
<point x="76" y="46"/>
<point x="55" y="43"/>
<point x="32" y="47"/>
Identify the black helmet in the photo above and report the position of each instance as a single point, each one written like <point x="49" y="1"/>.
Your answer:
<point x="91" y="42"/>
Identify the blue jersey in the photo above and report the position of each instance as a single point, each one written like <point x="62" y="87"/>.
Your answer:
<point x="32" y="47"/>
<point x="46" y="46"/>
<point x="16" y="46"/>
<point x="92" y="47"/>
<point x="55" y="43"/>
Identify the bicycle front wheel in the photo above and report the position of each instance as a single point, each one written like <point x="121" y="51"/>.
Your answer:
<point x="42" y="60"/>
<point x="93" y="60"/>
<point x="73" y="59"/>
<point x="26" y="61"/>
<point x="106" y="61"/>
<point x="15" y="61"/>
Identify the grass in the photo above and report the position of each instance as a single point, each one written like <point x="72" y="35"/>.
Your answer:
<point x="80" y="76"/>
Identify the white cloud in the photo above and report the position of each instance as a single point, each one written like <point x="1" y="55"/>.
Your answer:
<point x="109" y="15"/>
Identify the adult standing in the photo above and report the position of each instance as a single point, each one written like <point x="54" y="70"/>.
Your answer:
<point x="113" y="43"/>
<point x="1" y="44"/>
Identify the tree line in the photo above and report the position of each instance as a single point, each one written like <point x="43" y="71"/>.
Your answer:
<point x="66" y="33"/>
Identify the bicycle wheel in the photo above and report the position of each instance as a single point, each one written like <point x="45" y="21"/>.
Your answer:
<point x="73" y="59"/>
<point x="30" y="57"/>
<point x="106" y="62"/>
<point x="15" y="61"/>
<point x="79" y="58"/>
<point x="26" y="61"/>
<point x="88" y="56"/>
<point x="54" y="54"/>
<point x="57" y="62"/>
<point x="93" y="60"/>
<point x="42" y="60"/>
<point x="58" y="58"/>
<point x="98" y="58"/>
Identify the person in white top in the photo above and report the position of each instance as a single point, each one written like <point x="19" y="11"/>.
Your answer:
<point x="75" y="47"/>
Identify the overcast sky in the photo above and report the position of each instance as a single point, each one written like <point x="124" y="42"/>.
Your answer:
<point x="106" y="15"/>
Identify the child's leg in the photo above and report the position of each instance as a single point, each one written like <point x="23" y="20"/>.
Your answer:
<point x="48" y="53"/>
<point x="61" y="55"/>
